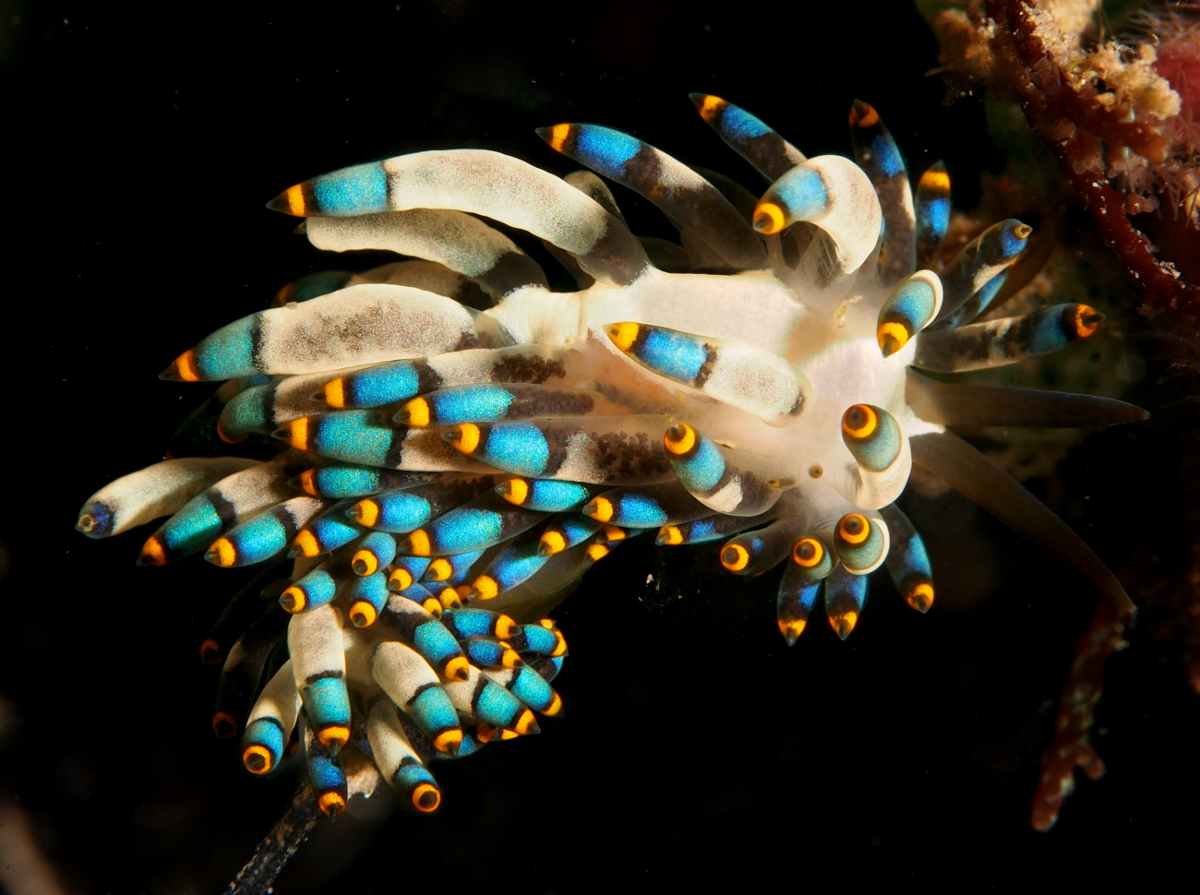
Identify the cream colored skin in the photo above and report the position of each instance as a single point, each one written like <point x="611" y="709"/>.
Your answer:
<point x="829" y="334"/>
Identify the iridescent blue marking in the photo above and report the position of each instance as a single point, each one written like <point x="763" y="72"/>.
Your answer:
<point x="400" y="511"/>
<point x="605" y="149"/>
<point x="435" y="644"/>
<point x="497" y="706"/>
<point x="412" y="774"/>
<point x="841" y="586"/>
<point x="193" y="527"/>
<point x="703" y="470"/>
<point x="326" y="703"/>
<point x="466" y="529"/>
<point x="912" y="302"/>
<point x="433" y="711"/>
<point x="319" y="588"/>
<point x="332" y="532"/>
<point x="517" y="447"/>
<point x="887" y="155"/>
<point x="575" y="527"/>
<point x="802" y="192"/>
<point x="470" y="622"/>
<point x="914" y="560"/>
<point x="1011" y="245"/>
<point x="740" y="126"/>
<point x="381" y="545"/>
<point x="553" y="496"/>
<point x="258" y="539"/>
<point x="1048" y="334"/>
<point x="639" y="511"/>
<point x="267" y="733"/>
<point x="229" y="352"/>
<point x="418" y="593"/>
<point x="415" y="566"/>
<point x="460" y="565"/>
<point x="370" y="589"/>
<point x="382" y="385"/>
<point x="672" y="354"/>
<point x="935" y="216"/>
<point x="323" y="771"/>
<point x="247" y="412"/>
<point x="538" y="639"/>
<point x="359" y="189"/>
<point x="476" y="403"/>
<point x="514" y="565"/>
<point x="354" y="435"/>
<point x="989" y="290"/>
<point x="531" y="688"/>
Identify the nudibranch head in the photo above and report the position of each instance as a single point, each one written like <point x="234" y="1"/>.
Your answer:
<point x="443" y="476"/>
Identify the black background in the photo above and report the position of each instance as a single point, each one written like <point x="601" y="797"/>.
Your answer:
<point x="140" y="147"/>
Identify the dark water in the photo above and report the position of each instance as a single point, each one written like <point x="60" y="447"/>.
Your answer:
<point x="696" y="747"/>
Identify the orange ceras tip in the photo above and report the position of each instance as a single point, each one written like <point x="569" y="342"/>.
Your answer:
<point x="768" y="218"/>
<point x="224" y="725"/>
<point x="843" y="624"/>
<point x="448" y="741"/>
<point x="791" y="630"/>
<point x="183" y="369"/>
<point x="426" y="798"/>
<point x="334" y="737"/>
<point x="210" y="652"/>
<point x="920" y="597"/>
<point x="331" y="805"/>
<point x="458" y="669"/>
<point x="153" y="553"/>
<point x="257" y="759"/>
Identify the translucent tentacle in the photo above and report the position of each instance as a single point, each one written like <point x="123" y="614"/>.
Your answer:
<point x="456" y="240"/>
<point x="400" y="512"/>
<point x="369" y="438"/>
<point x="151" y="493"/>
<point x="594" y="450"/>
<point x="980" y="261"/>
<point x="271" y="722"/>
<point x="754" y="380"/>
<point x="966" y="404"/>
<point x="398" y="761"/>
<point x="908" y="310"/>
<point x="1007" y="340"/>
<point x="845" y="596"/>
<point x="834" y="194"/>
<point x="389" y="383"/>
<point x="319" y="671"/>
<point x="497" y="402"/>
<point x="414" y="687"/>
<point x="479" y="182"/>
<point x="758" y="144"/>
<point x="477" y="525"/>
<point x="651" y="506"/>
<point x="932" y="211"/>
<point x="985" y="483"/>
<point x="693" y="204"/>
<point x="547" y="495"/>
<point x="264" y="536"/>
<point x="242" y="670"/>
<point x="907" y="561"/>
<point x="876" y="152"/>
<point x="365" y="324"/>
<point x="205" y="517"/>
<point x="731" y="482"/>
<point x="881" y="453"/>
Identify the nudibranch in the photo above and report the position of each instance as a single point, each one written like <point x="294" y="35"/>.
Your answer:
<point x="440" y="474"/>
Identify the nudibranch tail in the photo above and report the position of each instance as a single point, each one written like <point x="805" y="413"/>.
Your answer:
<point x="754" y="383"/>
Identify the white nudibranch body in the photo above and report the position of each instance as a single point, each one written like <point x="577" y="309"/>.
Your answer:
<point x="447" y="473"/>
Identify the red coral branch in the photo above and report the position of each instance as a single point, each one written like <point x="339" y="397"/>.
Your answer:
<point x="1070" y="748"/>
<point x="1073" y="128"/>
